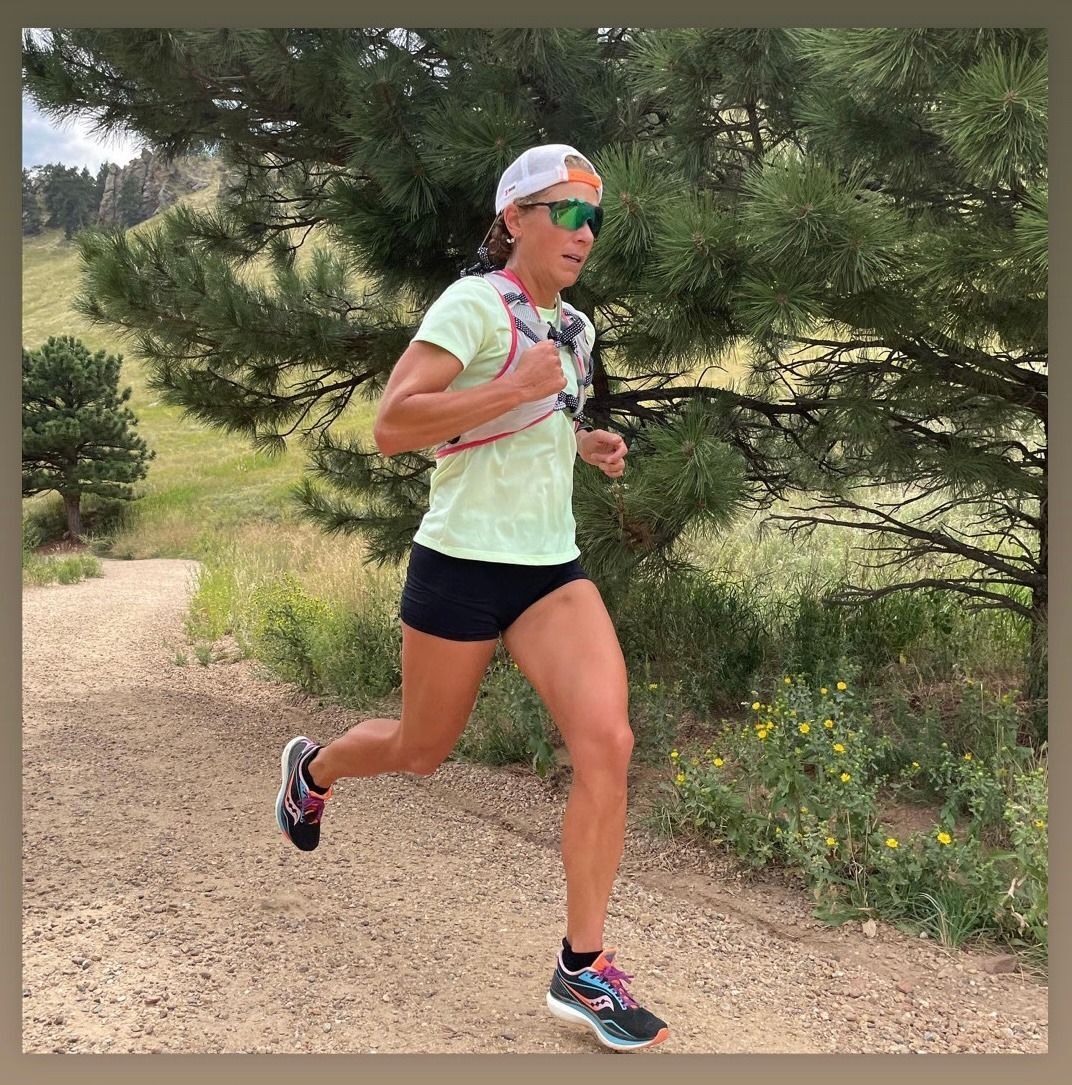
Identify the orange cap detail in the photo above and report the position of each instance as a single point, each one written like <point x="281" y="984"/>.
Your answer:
<point x="584" y="177"/>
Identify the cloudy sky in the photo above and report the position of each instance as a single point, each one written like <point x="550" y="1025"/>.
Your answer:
<point x="70" y="142"/>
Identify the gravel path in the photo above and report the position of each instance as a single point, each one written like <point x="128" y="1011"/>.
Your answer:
<point x="163" y="911"/>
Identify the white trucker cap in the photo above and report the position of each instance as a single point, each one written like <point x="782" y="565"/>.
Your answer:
<point x="539" y="168"/>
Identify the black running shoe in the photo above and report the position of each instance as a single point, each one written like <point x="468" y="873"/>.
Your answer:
<point x="596" y="998"/>
<point x="298" y="809"/>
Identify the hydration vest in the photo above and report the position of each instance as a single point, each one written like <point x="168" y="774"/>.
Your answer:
<point x="524" y="322"/>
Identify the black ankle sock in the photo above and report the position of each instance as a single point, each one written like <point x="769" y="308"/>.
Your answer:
<point x="303" y="768"/>
<point x="574" y="962"/>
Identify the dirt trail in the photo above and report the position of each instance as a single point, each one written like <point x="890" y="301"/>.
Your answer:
<point x="163" y="911"/>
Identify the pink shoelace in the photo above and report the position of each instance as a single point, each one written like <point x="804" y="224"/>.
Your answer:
<point x="313" y="806"/>
<point x="618" y="979"/>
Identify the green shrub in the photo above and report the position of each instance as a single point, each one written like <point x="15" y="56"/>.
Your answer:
<point x="801" y="783"/>
<point x="655" y="710"/>
<point x="1025" y="904"/>
<point x="693" y="633"/>
<point x="358" y="654"/>
<point x="214" y="604"/>
<point x="285" y="622"/>
<point x="72" y="569"/>
<point x="875" y="633"/>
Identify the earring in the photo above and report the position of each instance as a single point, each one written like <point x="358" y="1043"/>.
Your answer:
<point x="509" y="239"/>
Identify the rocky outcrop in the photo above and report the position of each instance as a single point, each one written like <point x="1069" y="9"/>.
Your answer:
<point x="160" y="184"/>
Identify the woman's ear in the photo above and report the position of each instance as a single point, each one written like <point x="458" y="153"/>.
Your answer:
<point x="511" y="220"/>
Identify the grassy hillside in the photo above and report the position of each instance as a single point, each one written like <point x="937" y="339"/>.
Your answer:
<point x="202" y="481"/>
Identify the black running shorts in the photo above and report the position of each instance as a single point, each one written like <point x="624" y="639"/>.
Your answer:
<point x="463" y="599"/>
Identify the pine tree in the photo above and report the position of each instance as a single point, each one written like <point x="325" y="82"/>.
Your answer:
<point x="77" y="438"/>
<point x="31" y="208"/>
<point x="52" y="179"/>
<point x="863" y="210"/>
<point x="70" y="197"/>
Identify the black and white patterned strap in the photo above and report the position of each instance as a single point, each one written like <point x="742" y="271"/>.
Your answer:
<point x="567" y="339"/>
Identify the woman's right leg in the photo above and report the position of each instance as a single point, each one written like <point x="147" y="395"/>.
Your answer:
<point x="440" y="681"/>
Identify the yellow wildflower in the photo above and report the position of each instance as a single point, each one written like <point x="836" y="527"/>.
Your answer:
<point x="653" y="685"/>
<point x="761" y="734"/>
<point x="823" y="690"/>
<point x="679" y="779"/>
<point x="755" y="706"/>
<point x="1040" y="824"/>
<point x="915" y="764"/>
<point x="718" y="762"/>
<point x="838" y="748"/>
<point x="842" y="686"/>
<point x="944" y="838"/>
<point x="967" y="757"/>
<point x="804" y="728"/>
<point x="788" y="681"/>
<point x="831" y="842"/>
<point x="674" y="755"/>
<point x="828" y="724"/>
<point x="846" y="777"/>
<point x="891" y="842"/>
<point x="803" y="809"/>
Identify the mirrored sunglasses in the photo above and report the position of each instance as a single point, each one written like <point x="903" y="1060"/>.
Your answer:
<point x="572" y="214"/>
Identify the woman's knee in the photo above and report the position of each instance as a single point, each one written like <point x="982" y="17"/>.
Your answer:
<point x="605" y="749"/>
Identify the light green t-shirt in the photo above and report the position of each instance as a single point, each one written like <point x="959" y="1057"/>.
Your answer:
<point x="510" y="500"/>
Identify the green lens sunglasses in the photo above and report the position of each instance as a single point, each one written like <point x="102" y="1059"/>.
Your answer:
<point x="572" y="214"/>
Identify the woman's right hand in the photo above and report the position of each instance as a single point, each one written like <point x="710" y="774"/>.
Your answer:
<point x="538" y="373"/>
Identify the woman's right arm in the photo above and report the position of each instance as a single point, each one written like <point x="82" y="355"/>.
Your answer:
<point x="417" y="411"/>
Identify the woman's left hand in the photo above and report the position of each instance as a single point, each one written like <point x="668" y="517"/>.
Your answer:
<point x="604" y="450"/>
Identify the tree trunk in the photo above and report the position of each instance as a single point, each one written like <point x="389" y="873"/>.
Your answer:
<point x="71" y="503"/>
<point x="600" y="388"/>
<point x="1037" y="662"/>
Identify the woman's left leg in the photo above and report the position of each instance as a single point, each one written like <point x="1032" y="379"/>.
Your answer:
<point x="566" y="646"/>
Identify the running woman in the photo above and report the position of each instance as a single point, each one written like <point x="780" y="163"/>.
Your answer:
<point x="495" y="379"/>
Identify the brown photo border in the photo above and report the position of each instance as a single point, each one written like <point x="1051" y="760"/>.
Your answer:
<point x="263" y="1069"/>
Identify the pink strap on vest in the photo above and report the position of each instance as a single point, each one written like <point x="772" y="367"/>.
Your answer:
<point x="487" y="440"/>
<point x="513" y="338"/>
